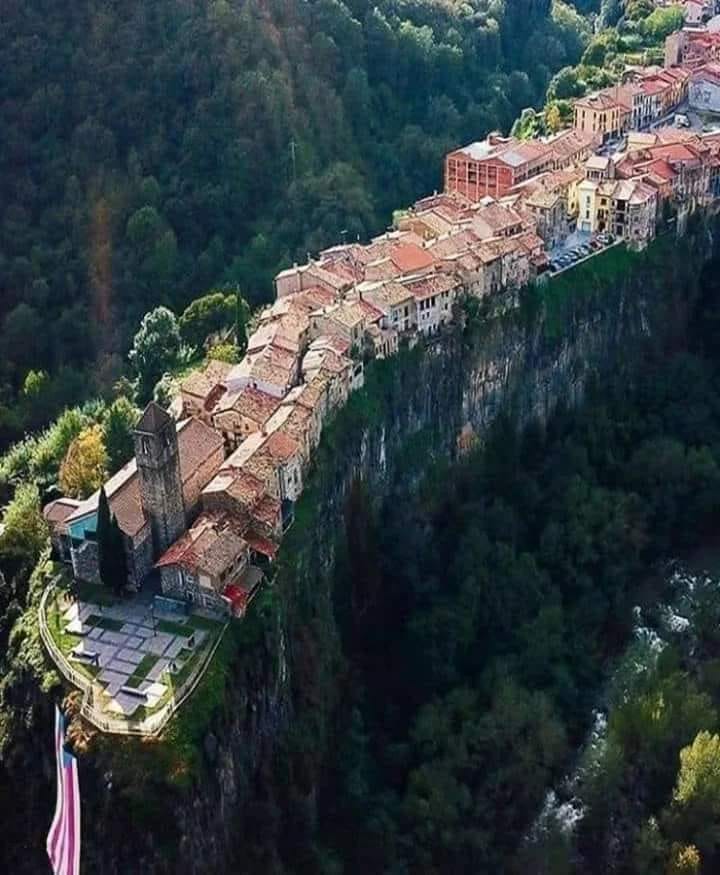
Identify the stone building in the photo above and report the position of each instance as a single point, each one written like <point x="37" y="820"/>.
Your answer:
<point x="158" y="465"/>
<point x="153" y="498"/>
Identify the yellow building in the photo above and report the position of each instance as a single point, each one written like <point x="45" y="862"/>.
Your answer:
<point x="587" y="206"/>
<point x="602" y="113"/>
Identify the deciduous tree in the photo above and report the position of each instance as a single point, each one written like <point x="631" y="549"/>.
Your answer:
<point x="84" y="467"/>
<point x="155" y="348"/>
<point x="120" y="420"/>
<point x="24" y="532"/>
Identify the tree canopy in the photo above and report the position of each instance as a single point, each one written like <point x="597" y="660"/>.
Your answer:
<point x="200" y="146"/>
<point x="85" y="465"/>
<point x="155" y="348"/>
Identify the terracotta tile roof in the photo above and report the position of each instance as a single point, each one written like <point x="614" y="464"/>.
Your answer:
<point x="333" y="274"/>
<point x="653" y="86"/>
<point x="267" y="511"/>
<point x="642" y="193"/>
<point x="499" y="218"/>
<point x="531" y="242"/>
<point x="252" y="403"/>
<point x="677" y="152"/>
<point x="348" y="314"/>
<point x="434" y="285"/>
<point x="296" y="426"/>
<point x="450" y="200"/>
<point x="200" y="383"/>
<point x="566" y="144"/>
<point x="281" y="446"/>
<point x="410" y="258"/>
<point x="382" y="269"/>
<point x="660" y="168"/>
<point x="263" y="466"/>
<point x="127" y="509"/>
<point x="334" y="363"/>
<point x="313" y="393"/>
<point x="59" y="510"/>
<point x="245" y="488"/>
<point x="313" y="299"/>
<point x="284" y="333"/>
<point x="370" y="312"/>
<point x="261" y="545"/>
<point x="468" y="261"/>
<point x="487" y="252"/>
<point x="274" y="366"/>
<point x="197" y="443"/>
<point x="544" y="200"/>
<point x="211" y="546"/>
<point x="597" y="101"/>
<point x="390" y="294"/>
<point x="453" y="244"/>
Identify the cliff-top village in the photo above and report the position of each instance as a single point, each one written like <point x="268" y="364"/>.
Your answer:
<point x="206" y="499"/>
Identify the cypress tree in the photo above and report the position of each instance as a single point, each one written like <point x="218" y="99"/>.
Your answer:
<point x="117" y="564"/>
<point x="103" y="535"/>
<point x="111" y="548"/>
<point x="240" y="327"/>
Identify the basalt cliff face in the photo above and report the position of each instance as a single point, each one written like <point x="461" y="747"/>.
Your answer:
<point x="257" y="751"/>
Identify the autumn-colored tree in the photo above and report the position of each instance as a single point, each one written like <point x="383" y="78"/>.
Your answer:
<point x="224" y="352"/>
<point x="553" y="119"/>
<point x="684" y="860"/>
<point x="83" y="469"/>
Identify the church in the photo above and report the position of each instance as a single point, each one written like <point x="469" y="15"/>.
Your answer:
<point x="155" y="497"/>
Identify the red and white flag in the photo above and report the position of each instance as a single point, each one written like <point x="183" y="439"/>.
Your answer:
<point x="63" y="841"/>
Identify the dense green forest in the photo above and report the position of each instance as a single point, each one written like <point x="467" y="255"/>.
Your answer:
<point x="151" y="151"/>
<point x="482" y="616"/>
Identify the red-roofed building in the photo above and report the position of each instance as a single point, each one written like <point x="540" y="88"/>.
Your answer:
<point x="151" y="497"/>
<point x="239" y="414"/>
<point x="691" y="48"/>
<point x="410" y="258"/>
<point x="434" y="297"/>
<point x="604" y="113"/>
<point x="494" y="166"/>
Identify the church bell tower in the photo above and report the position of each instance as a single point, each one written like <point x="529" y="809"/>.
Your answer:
<point x="158" y="464"/>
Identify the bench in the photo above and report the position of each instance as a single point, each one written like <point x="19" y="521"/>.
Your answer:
<point x="84" y="655"/>
<point x="132" y="691"/>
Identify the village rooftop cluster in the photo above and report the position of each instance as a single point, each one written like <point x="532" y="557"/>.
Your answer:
<point x="206" y="501"/>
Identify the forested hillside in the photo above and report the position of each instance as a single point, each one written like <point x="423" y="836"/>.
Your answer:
<point x="152" y="150"/>
<point x="481" y="619"/>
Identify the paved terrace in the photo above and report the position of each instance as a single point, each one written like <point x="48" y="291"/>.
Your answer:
<point x="135" y="665"/>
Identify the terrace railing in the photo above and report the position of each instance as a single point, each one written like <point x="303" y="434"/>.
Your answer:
<point x="151" y="724"/>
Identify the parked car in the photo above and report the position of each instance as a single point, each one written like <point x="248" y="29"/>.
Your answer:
<point x="596" y="244"/>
